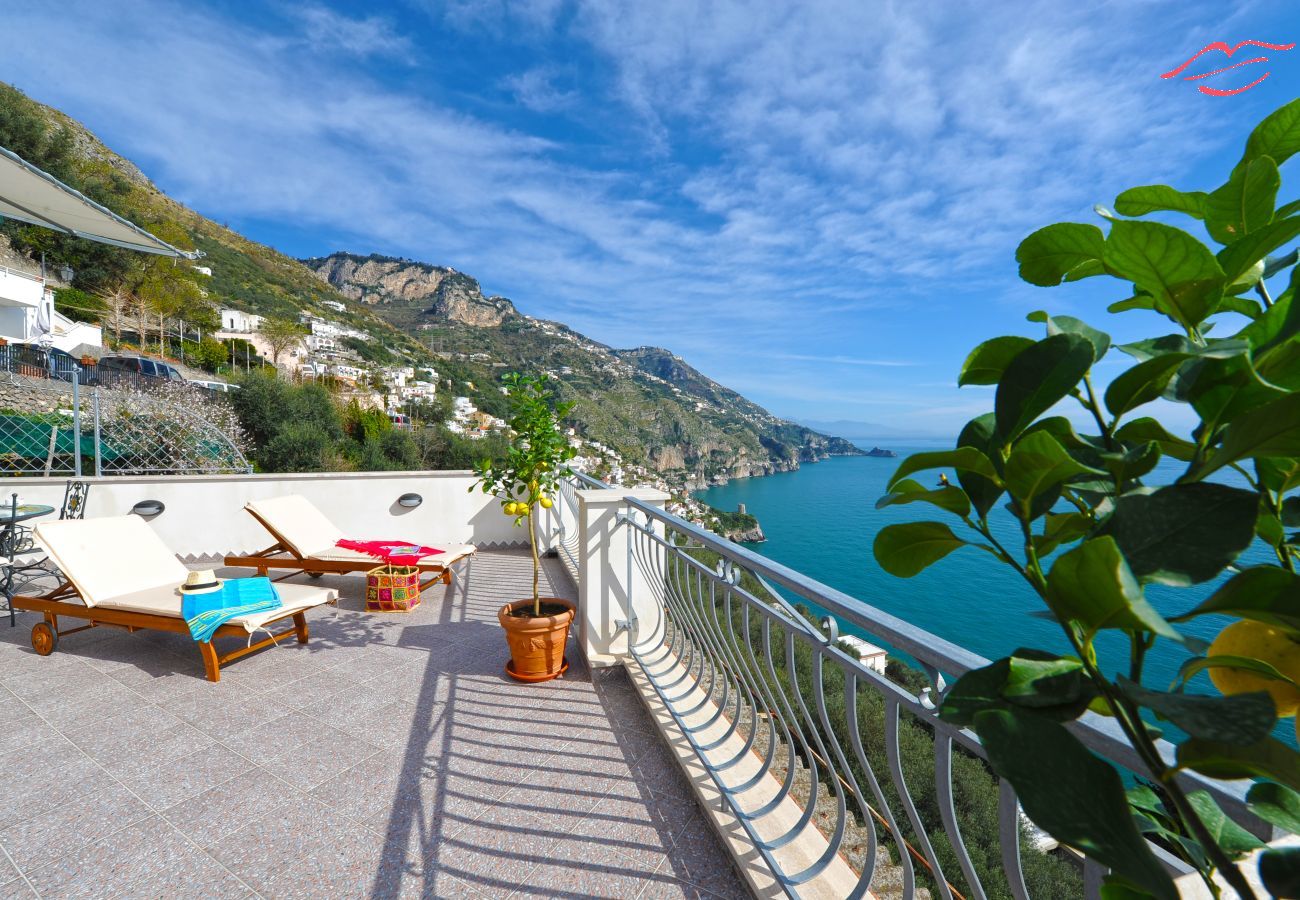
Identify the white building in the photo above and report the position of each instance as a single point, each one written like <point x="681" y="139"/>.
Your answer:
<point x="334" y="305"/>
<point x="335" y="330"/>
<point x="28" y="316"/>
<point x="239" y="321"/>
<point x="317" y="344"/>
<point x="350" y="372"/>
<point x="418" y="390"/>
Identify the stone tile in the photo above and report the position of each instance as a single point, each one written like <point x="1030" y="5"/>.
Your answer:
<point x="36" y="781"/>
<point x="304" y="849"/>
<point x="216" y="713"/>
<point x="493" y="849"/>
<point x="16" y="889"/>
<point x="68" y="826"/>
<point x="660" y="771"/>
<point x="635" y="830"/>
<point x="220" y="811"/>
<point x="29" y="731"/>
<point x="171" y="782"/>
<point x="699" y="859"/>
<point x="589" y="878"/>
<point x="321" y="685"/>
<point x="103" y="701"/>
<point x="380" y="784"/>
<point x="143" y="853"/>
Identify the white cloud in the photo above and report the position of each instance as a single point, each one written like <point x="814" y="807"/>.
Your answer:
<point x="327" y="30"/>
<point x="779" y="180"/>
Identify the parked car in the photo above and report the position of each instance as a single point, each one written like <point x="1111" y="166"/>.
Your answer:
<point x="220" y="387"/>
<point x="134" y="370"/>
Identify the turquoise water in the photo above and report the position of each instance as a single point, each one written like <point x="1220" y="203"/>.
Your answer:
<point x="821" y="520"/>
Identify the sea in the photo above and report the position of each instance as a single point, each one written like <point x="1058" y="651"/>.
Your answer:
<point x="822" y="519"/>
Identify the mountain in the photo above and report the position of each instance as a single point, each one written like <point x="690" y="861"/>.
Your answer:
<point x="647" y="404"/>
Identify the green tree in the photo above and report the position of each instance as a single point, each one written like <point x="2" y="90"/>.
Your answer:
<point x="530" y="474"/>
<point x="1094" y="534"/>
<point x="281" y="335"/>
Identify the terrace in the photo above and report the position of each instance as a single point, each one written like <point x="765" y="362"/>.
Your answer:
<point x="697" y="747"/>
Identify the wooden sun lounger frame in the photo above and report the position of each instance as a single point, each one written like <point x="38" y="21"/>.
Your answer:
<point x="45" y="635"/>
<point x="282" y="556"/>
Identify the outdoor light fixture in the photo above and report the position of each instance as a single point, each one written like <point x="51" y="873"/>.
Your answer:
<point x="147" y="509"/>
<point x="410" y="501"/>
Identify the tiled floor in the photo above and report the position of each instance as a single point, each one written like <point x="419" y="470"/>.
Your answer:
<point x="389" y="757"/>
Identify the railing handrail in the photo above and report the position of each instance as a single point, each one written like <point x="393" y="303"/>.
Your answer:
<point x="591" y="482"/>
<point x="8" y="271"/>
<point x="1097" y="732"/>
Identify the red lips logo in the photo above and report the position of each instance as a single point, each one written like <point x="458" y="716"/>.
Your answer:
<point x="1223" y="48"/>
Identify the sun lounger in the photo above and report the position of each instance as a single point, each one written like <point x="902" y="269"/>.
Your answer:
<point x="306" y="541"/>
<point x="119" y="572"/>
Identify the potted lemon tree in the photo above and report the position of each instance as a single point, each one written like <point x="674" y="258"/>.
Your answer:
<point x="537" y="628"/>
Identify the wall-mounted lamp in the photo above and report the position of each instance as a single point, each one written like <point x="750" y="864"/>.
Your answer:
<point x="410" y="501"/>
<point x="147" y="509"/>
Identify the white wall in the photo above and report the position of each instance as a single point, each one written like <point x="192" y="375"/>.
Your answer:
<point x="204" y="514"/>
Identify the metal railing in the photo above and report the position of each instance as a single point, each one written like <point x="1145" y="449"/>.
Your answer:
<point x="60" y="418"/>
<point x="801" y="739"/>
<point x="565" y="530"/>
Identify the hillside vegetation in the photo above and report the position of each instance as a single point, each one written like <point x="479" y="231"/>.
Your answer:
<point x="646" y="405"/>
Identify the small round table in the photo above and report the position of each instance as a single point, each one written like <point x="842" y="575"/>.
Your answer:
<point x="10" y="516"/>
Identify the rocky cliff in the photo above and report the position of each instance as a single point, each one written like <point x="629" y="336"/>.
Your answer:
<point x="646" y="403"/>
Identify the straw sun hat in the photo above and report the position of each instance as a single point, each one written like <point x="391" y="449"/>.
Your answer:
<point x="201" y="581"/>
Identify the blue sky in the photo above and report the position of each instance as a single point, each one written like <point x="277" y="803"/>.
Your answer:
<point x="816" y="203"/>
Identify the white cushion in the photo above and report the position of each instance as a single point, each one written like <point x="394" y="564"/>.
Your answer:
<point x="110" y="557"/>
<point x="166" y="601"/>
<point x="298" y="523"/>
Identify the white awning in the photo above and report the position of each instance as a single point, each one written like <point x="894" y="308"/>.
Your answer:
<point x="30" y="195"/>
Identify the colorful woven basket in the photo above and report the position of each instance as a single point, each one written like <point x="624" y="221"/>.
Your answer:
<point x="393" y="589"/>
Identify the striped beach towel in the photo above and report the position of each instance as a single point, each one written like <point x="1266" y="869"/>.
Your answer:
<point x="205" y="613"/>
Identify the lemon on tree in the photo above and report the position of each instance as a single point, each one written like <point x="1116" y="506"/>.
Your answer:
<point x="1265" y="643"/>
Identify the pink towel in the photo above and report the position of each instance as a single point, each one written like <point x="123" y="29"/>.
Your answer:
<point x="402" y="553"/>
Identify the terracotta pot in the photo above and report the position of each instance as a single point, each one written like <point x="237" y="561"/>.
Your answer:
<point x="536" y="644"/>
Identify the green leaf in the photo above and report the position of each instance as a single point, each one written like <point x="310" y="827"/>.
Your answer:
<point x="1280" y="323"/>
<point x="983" y="492"/>
<point x="1269" y="430"/>
<point x="1092" y="585"/>
<point x="1177" y="343"/>
<point x="1070" y="325"/>
<point x="1251" y="309"/>
<point x="1222" y="390"/>
<point x="1177" y="270"/>
<point x="1061" y="528"/>
<point x="1280" y="475"/>
<point x="1116" y="888"/>
<point x="1291" y="511"/>
<point x="1286" y="210"/>
<point x="1140" y="300"/>
<point x="1143" y="383"/>
<point x="1039" y="682"/>
<point x="989" y="360"/>
<point x="1276" y="805"/>
<point x="1239" y="719"/>
<point x="1131" y="464"/>
<point x="1278" y="135"/>
<point x="1151" y="198"/>
<point x="1234" y="839"/>
<point x="1279" y="870"/>
<point x="1184" y="533"/>
<point x="1148" y="429"/>
<point x="1244" y="252"/>
<point x="1195" y="666"/>
<point x="1245" y="203"/>
<point x="951" y="498"/>
<point x="963" y="459"/>
<point x="1269" y="758"/>
<point x="1051" y="254"/>
<point x="1037" y="464"/>
<point x="909" y="548"/>
<point x="1070" y="793"/>
<point x="1268" y="594"/>
<point x="1037" y="379"/>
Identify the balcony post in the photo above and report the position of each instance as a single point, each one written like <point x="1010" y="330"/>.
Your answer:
<point x="605" y="596"/>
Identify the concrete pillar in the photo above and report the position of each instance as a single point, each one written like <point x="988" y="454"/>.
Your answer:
<point x="604" y="595"/>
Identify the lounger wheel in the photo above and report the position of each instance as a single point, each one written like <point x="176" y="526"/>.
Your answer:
<point x="315" y="574"/>
<point x="44" y="639"/>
